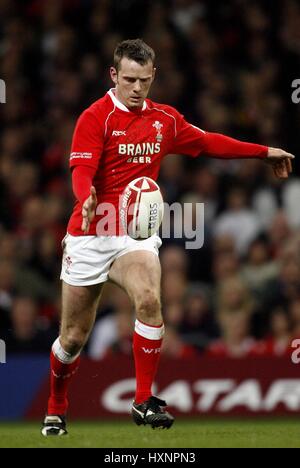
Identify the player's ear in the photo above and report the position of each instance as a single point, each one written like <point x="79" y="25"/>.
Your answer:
<point x="114" y="75"/>
<point x="153" y="73"/>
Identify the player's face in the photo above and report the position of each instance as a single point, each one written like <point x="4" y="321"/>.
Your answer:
<point x="133" y="82"/>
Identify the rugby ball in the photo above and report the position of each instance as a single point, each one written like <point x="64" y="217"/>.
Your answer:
<point x="141" y="208"/>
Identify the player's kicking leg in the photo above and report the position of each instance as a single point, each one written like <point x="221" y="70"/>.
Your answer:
<point x="79" y="305"/>
<point x="139" y="274"/>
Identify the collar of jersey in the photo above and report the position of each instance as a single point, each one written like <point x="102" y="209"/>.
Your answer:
<point x="119" y="104"/>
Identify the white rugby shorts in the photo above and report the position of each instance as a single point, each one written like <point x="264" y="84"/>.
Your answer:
<point x="87" y="259"/>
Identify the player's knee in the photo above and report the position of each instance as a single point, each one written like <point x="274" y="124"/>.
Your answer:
<point x="148" y="306"/>
<point x="73" y="342"/>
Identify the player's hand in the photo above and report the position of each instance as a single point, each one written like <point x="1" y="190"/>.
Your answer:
<point x="89" y="211"/>
<point x="281" y="162"/>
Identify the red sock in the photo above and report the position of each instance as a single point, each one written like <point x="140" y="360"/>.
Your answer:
<point x="61" y="375"/>
<point x="147" y="342"/>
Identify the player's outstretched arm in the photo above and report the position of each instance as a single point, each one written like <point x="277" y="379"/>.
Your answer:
<point x="281" y="162"/>
<point x="89" y="210"/>
<point x="221" y="146"/>
<point x="194" y="141"/>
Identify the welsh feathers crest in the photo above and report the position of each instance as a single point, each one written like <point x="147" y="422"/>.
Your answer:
<point x="158" y="126"/>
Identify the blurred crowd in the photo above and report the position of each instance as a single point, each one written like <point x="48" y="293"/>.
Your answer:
<point x="228" y="67"/>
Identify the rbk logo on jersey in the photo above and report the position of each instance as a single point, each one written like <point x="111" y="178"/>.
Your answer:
<point x="119" y="133"/>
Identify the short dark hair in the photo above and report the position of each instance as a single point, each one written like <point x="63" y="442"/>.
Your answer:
<point x="133" y="49"/>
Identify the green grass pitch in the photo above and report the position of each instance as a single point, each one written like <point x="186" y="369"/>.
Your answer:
<point x="193" y="433"/>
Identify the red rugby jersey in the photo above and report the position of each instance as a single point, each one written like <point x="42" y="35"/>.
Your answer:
<point x="121" y="145"/>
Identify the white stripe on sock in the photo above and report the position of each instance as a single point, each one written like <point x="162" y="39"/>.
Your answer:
<point x="151" y="333"/>
<point x="61" y="354"/>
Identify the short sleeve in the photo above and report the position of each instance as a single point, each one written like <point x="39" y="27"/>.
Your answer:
<point x="88" y="140"/>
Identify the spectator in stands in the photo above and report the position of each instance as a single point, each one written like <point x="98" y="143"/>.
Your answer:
<point x="278" y="343"/>
<point x="198" y="326"/>
<point x="234" y="310"/>
<point x="294" y="311"/>
<point x="175" y="347"/>
<point x="260" y="269"/>
<point x="238" y="220"/>
<point x="26" y="334"/>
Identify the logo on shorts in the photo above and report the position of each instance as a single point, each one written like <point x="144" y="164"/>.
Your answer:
<point x="68" y="262"/>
